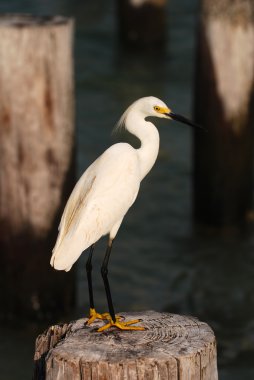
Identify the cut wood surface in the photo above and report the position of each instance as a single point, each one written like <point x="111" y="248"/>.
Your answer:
<point x="172" y="347"/>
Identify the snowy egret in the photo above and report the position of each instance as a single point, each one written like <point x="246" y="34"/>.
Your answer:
<point x="104" y="194"/>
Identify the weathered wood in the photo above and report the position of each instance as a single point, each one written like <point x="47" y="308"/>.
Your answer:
<point x="223" y="174"/>
<point x="172" y="347"/>
<point x="142" y="23"/>
<point x="36" y="158"/>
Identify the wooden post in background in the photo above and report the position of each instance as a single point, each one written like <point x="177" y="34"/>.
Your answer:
<point x="142" y="23"/>
<point x="224" y="104"/>
<point x="172" y="347"/>
<point x="36" y="161"/>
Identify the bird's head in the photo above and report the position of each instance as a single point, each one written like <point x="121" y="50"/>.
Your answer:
<point x="151" y="106"/>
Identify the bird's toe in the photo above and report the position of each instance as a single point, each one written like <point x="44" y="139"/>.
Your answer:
<point x="93" y="315"/>
<point x="122" y="325"/>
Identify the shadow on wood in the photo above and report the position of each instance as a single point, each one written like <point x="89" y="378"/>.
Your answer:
<point x="142" y="23"/>
<point x="37" y="161"/>
<point x="172" y="347"/>
<point x="223" y="158"/>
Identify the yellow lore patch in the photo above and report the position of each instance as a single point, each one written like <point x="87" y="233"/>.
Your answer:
<point x="161" y="109"/>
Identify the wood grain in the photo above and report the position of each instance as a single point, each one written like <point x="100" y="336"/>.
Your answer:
<point x="36" y="158"/>
<point x="171" y="347"/>
<point x="224" y="104"/>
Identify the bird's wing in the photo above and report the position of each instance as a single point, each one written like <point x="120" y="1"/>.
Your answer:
<point x="76" y="200"/>
<point x="74" y="203"/>
<point x="99" y="200"/>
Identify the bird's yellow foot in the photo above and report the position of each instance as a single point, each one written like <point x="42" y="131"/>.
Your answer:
<point x="93" y="315"/>
<point x="121" y="325"/>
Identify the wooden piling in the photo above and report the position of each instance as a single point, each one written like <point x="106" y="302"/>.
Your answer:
<point x="172" y="347"/>
<point x="36" y="161"/>
<point x="224" y="104"/>
<point x="142" y="23"/>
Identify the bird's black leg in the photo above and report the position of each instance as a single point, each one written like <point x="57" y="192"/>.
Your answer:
<point x="93" y="315"/>
<point x="115" y="321"/>
<point x="89" y="268"/>
<point x="104" y="273"/>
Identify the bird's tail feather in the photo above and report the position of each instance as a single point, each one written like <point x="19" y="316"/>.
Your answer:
<point x="67" y="251"/>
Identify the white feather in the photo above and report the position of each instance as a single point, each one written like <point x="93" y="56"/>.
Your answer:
<point x="99" y="200"/>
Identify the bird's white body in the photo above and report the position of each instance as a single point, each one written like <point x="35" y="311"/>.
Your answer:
<point x="108" y="188"/>
<point x="103" y="195"/>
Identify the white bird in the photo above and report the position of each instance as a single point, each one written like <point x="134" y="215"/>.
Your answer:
<point x="104" y="194"/>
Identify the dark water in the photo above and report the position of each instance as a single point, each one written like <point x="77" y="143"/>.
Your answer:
<point x="159" y="262"/>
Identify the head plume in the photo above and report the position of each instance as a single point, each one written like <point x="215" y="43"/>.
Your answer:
<point x="120" y="125"/>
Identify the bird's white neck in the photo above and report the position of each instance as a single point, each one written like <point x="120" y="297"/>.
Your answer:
<point x="149" y="137"/>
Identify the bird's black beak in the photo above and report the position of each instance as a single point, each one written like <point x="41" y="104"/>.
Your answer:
<point x="184" y="120"/>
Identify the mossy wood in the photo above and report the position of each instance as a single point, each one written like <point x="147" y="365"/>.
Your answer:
<point x="172" y="347"/>
<point x="36" y="158"/>
<point x="223" y="157"/>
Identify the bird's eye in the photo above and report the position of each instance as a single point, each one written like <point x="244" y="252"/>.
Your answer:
<point x="156" y="108"/>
